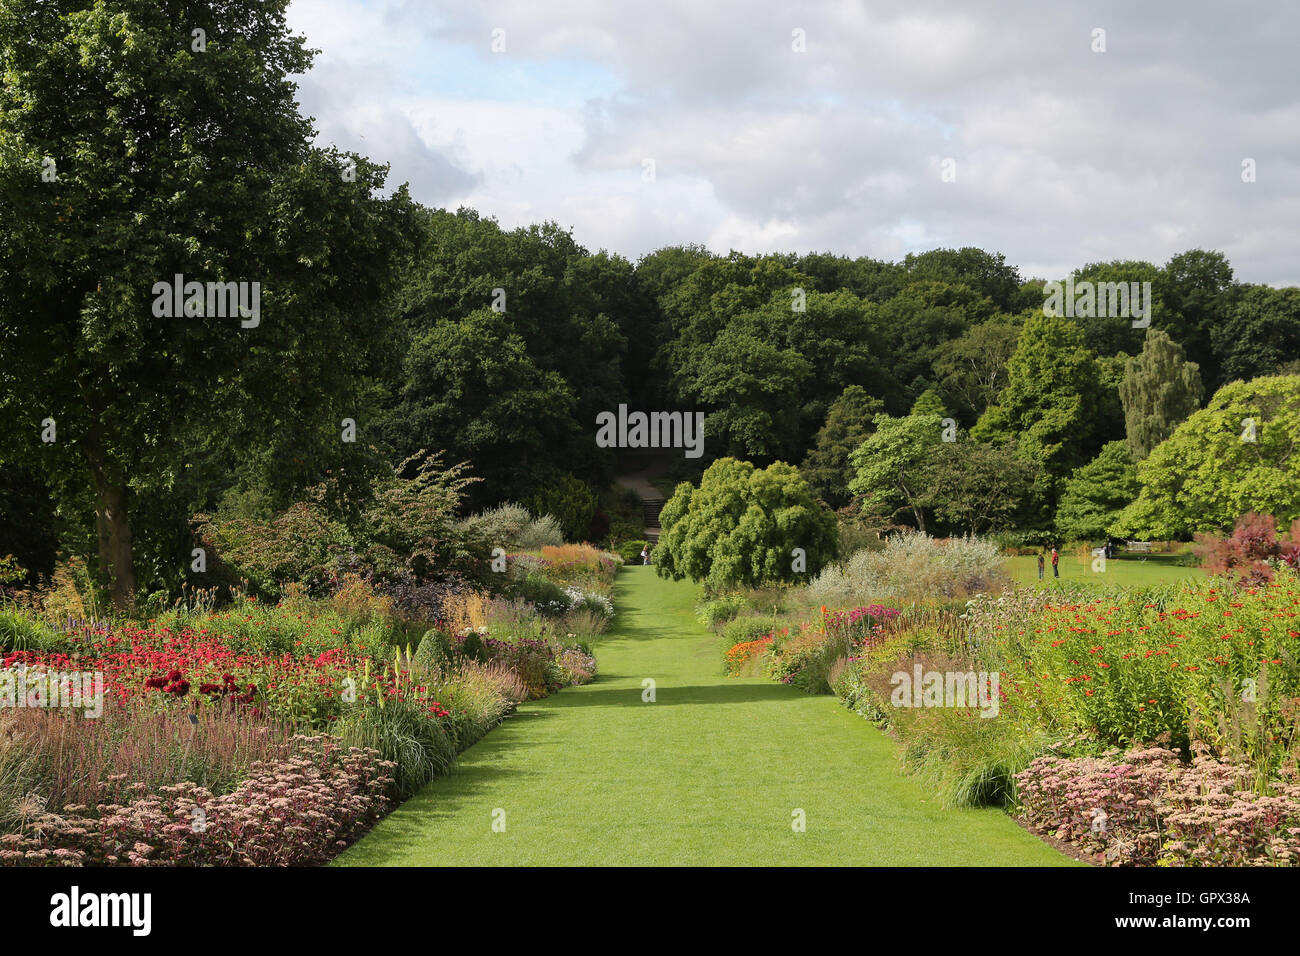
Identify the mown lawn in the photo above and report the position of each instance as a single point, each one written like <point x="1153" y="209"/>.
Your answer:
<point x="710" y="773"/>
<point x="1123" y="570"/>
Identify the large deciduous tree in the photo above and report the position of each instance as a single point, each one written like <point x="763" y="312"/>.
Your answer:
<point x="766" y="371"/>
<point x="1096" y="494"/>
<point x="1261" y="333"/>
<point x="976" y="488"/>
<point x="1160" y="388"/>
<point x="971" y="370"/>
<point x="515" y="342"/>
<point x="1108" y="331"/>
<point x="1240" y="453"/>
<point x="145" y="139"/>
<point x="1197" y="291"/>
<point x="848" y="423"/>
<point x="891" y="465"/>
<point x="1051" y="401"/>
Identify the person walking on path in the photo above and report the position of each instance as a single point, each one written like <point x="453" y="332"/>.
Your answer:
<point x="1056" y="558"/>
<point x="1040" y="565"/>
<point x="645" y="554"/>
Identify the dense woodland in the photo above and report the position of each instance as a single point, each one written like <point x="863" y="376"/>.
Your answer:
<point x="950" y="334"/>
<point x="389" y="330"/>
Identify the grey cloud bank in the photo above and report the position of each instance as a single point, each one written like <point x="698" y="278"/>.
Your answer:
<point x="1062" y="155"/>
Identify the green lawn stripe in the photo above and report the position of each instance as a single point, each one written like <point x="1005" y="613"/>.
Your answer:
<point x="709" y="774"/>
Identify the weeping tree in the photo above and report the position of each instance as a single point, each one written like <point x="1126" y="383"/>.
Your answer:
<point x="744" y="527"/>
<point x="1160" y="388"/>
<point x="184" y="277"/>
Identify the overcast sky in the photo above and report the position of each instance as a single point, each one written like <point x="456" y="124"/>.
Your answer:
<point x="1062" y="155"/>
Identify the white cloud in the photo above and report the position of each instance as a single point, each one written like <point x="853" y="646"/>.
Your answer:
<point x="1064" y="156"/>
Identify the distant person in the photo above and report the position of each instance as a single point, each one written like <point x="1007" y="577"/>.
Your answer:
<point x="645" y="554"/>
<point x="1040" y="565"/>
<point x="1056" y="563"/>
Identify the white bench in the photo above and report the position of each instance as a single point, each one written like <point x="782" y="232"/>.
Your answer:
<point x="1138" y="546"/>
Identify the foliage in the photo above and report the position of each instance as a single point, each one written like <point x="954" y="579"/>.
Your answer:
<point x="541" y="533"/>
<point x="976" y="488"/>
<point x="592" y="602"/>
<point x="509" y="526"/>
<point x="139" y="433"/>
<point x="722" y="609"/>
<point x="971" y="370"/>
<point x="1261" y="333"/>
<point x="1106" y="335"/>
<point x="1252" y="551"/>
<point x="29" y="534"/>
<point x="406" y="531"/>
<point x="912" y="566"/>
<point x="1096" y="494"/>
<point x="849" y="421"/>
<point x="741" y="527"/>
<point x="932" y="309"/>
<point x="510" y="384"/>
<point x="740" y="630"/>
<point x="1159" y="390"/>
<point x="630" y="551"/>
<point x="434" y="651"/>
<point x="536" y="588"/>
<point x="741" y="346"/>
<point x="929" y="403"/>
<point x="401" y="732"/>
<point x="570" y="502"/>
<point x="302" y="544"/>
<point x="1238" y="454"/>
<point x="1048" y="405"/>
<point x="1196" y="289"/>
<point x="889" y="466"/>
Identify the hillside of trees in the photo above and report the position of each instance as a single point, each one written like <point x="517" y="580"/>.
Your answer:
<point x="501" y="347"/>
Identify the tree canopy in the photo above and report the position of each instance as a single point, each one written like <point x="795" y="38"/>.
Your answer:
<point x="1096" y="493"/>
<point x="130" y="156"/>
<point x="744" y="527"/>
<point x="1160" y="388"/>
<point x="1241" y="453"/>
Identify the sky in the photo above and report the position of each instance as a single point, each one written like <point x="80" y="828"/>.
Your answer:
<point x="856" y="128"/>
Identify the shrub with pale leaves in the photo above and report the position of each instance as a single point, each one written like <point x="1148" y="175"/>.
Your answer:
<point x="913" y="567"/>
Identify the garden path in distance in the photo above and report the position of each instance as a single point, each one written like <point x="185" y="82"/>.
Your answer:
<point x="709" y="774"/>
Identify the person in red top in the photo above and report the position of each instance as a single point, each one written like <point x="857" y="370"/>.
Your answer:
<point x="1056" y="557"/>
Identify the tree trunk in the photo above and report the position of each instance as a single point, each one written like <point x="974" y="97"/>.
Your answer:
<point x="115" y="561"/>
<point x="916" y="509"/>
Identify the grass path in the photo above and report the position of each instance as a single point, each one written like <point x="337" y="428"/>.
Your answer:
<point x="708" y="774"/>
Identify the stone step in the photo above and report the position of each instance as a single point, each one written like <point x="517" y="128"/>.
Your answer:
<point x="650" y="508"/>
